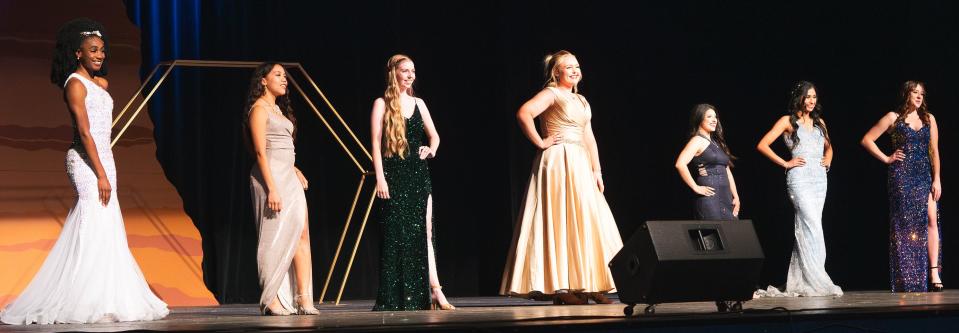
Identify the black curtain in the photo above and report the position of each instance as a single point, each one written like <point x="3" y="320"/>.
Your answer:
<point x="645" y="65"/>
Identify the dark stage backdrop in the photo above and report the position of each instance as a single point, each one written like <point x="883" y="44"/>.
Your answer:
<point x="645" y="66"/>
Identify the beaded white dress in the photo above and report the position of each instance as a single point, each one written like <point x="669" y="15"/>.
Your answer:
<point x="89" y="275"/>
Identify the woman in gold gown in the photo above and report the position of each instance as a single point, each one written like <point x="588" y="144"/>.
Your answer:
<point x="565" y="233"/>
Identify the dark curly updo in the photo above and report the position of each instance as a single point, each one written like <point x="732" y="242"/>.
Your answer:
<point x="69" y="38"/>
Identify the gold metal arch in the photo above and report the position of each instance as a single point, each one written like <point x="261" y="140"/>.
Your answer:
<point x="363" y="172"/>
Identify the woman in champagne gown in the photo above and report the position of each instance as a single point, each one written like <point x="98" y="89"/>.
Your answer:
<point x="90" y="275"/>
<point x="283" y="255"/>
<point x="565" y="234"/>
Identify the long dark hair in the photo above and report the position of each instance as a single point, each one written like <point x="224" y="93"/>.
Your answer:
<point x="69" y="38"/>
<point x="797" y="104"/>
<point x="922" y="111"/>
<point x="257" y="90"/>
<point x="696" y="120"/>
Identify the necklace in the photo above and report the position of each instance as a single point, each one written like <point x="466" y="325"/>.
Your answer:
<point x="275" y="109"/>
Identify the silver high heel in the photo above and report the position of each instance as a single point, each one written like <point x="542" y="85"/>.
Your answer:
<point x="304" y="310"/>
<point x="266" y="311"/>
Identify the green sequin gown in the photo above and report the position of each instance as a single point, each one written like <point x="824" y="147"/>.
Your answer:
<point x="404" y="269"/>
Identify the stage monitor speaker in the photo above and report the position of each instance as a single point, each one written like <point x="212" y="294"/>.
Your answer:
<point x="685" y="261"/>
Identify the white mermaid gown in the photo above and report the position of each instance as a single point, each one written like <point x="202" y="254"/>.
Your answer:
<point x="89" y="275"/>
<point x="807" y="190"/>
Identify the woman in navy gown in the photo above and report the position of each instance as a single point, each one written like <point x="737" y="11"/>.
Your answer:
<point x="914" y="190"/>
<point x="706" y="150"/>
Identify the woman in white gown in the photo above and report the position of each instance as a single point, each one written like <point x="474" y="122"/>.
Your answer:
<point x="805" y="134"/>
<point x="90" y="275"/>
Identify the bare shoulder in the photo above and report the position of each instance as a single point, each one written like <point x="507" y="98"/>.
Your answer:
<point x="379" y="105"/>
<point x="74" y="85"/>
<point x="258" y="109"/>
<point x="931" y="117"/>
<point x="545" y="95"/>
<point x="697" y="143"/>
<point x="420" y="102"/>
<point x="784" y="123"/>
<point x="699" y="140"/>
<point x="891" y="116"/>
<point x="75" y="89"/>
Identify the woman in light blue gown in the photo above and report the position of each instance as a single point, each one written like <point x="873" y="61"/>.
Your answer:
<point x="804" y="133"/>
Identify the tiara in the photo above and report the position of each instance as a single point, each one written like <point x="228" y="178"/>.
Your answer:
<point x="91" y="33"/>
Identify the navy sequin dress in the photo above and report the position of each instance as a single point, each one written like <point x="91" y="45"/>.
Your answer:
<point x="714" y="161"/>
<point x="404" y="269"/>
<point x="910" y="182"/>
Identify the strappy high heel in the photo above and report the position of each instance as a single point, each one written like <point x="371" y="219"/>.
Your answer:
<point x="435" y="303"/>
<point x="309" y="309"/>
<point x="569" y="298"/>
<point x="935" y="287"/>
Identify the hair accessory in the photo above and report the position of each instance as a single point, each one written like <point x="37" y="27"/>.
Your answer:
<point x="91" y="33"/>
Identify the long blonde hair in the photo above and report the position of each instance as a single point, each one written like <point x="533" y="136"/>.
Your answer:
<point x="394" y="125"/>
<point x="550" y="63"/>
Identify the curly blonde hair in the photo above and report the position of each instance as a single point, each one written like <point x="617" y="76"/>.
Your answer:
<point x="394" y="124"/>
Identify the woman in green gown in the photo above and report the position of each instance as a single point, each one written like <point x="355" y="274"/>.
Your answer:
<point x="403" y="138"/>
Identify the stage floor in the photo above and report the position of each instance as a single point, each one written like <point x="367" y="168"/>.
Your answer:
<point x="869" y="310"/>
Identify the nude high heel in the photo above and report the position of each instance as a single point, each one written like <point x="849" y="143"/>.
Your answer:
<point x="266" y="311"/>
<point x="569" y="298"/>
<point x="435" y="303"/>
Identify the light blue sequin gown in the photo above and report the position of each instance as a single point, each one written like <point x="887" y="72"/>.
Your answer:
<point x="806" y="186"/>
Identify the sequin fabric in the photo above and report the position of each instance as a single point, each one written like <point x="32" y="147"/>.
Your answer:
<point x="404" y="279"/>
<point x="807" y="186"/>
<point x="909" y="185"/>
<point x="89" y="276"/>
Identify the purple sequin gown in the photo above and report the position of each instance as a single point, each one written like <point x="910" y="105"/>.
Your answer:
<point x="910" y="182"/>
